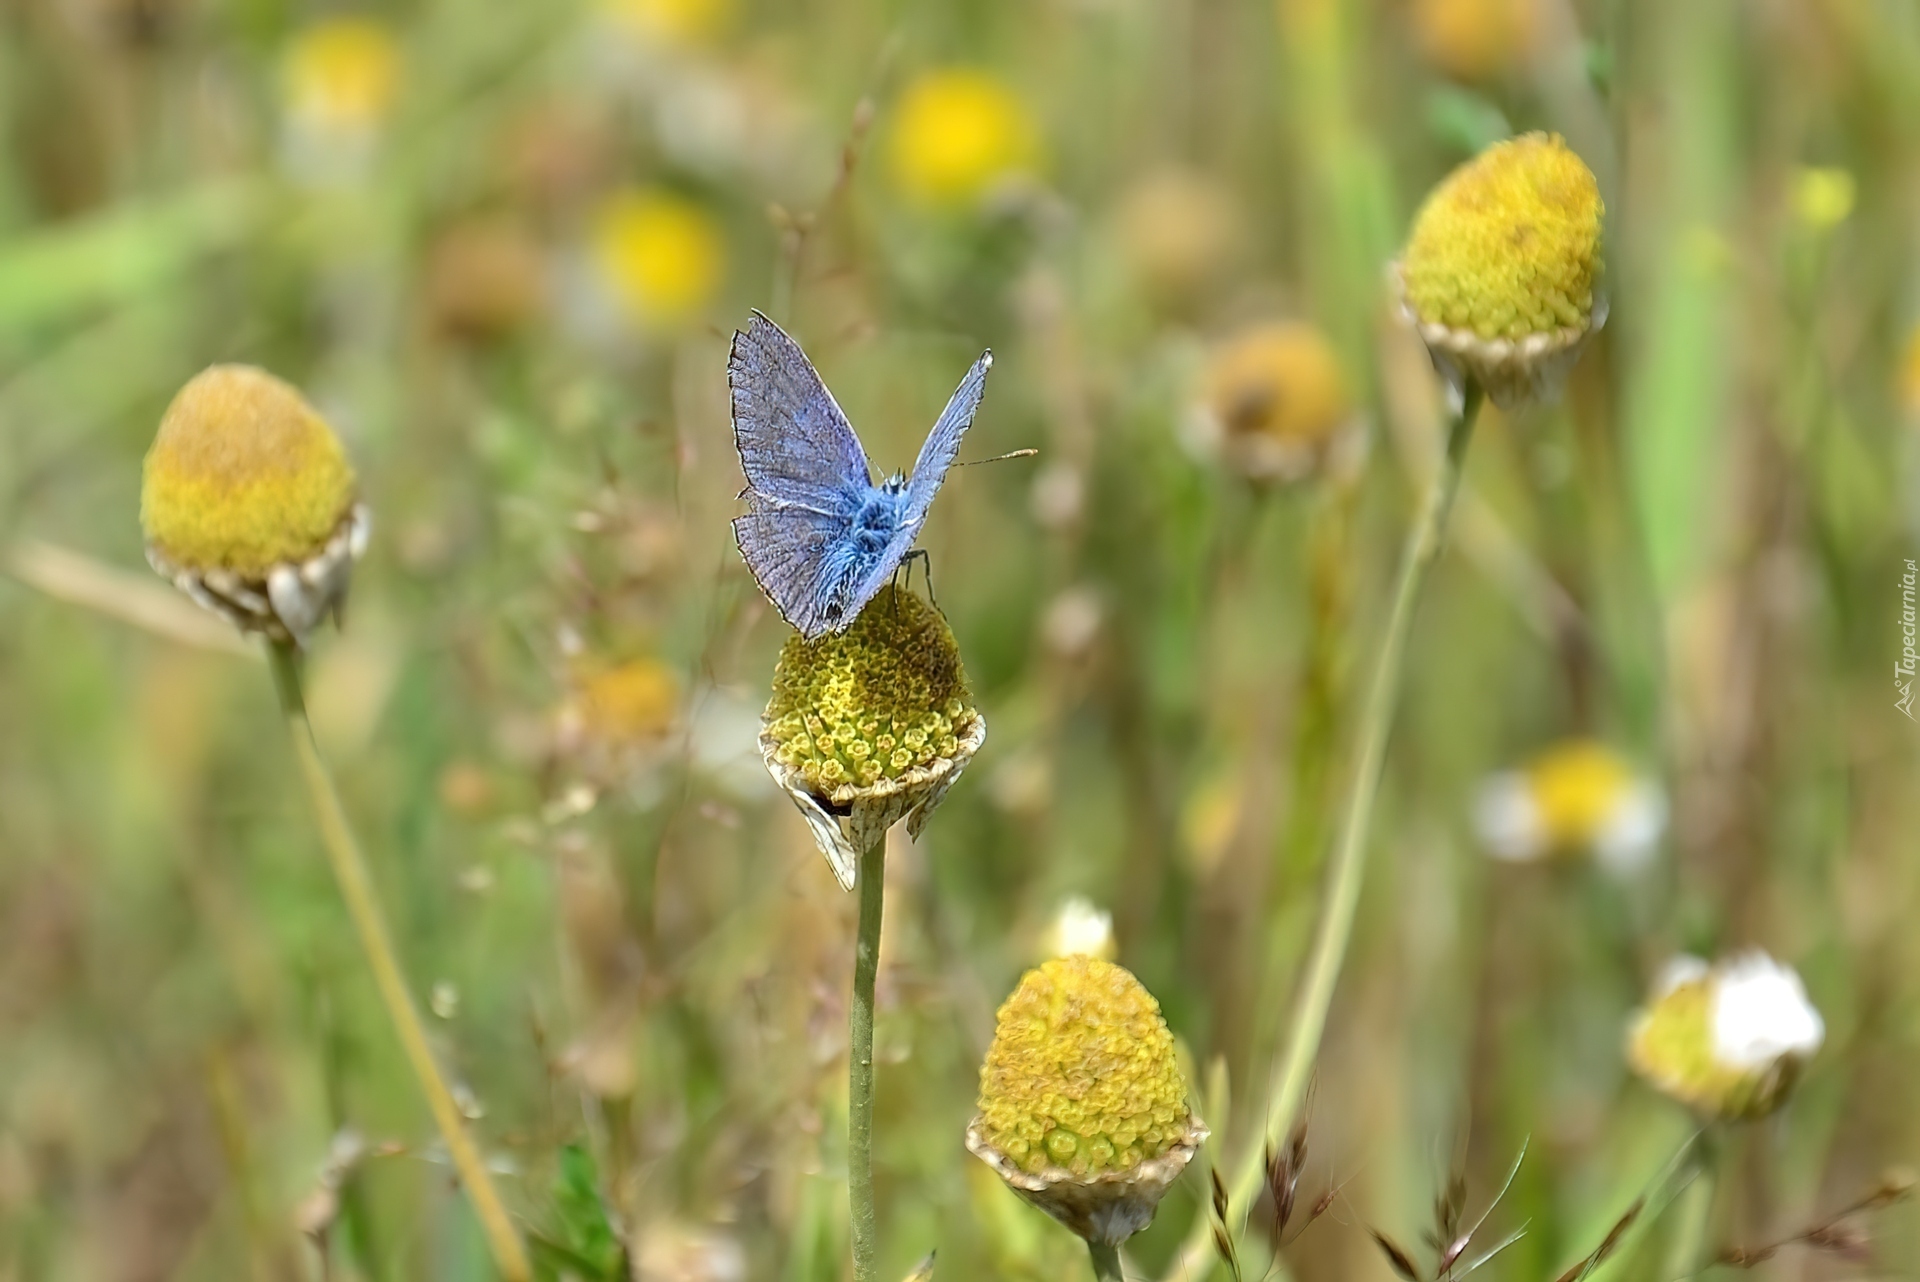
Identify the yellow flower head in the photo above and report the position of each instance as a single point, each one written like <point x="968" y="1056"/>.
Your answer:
<point x="870" y="726"/>
<point x="957" y="134"/>
<point x="342" y="73"/>
<point x="634" y="702"/>
<point x="673" y="22"/>
<point x="663" y="255"/>
<point x="883" y="698"/>
<point x="1576" y="786"/>
<point x="243" y="476"/>
<point x="1081" y="1074"/>
<point x="1509" y="245"/>
<point x="1729" y="1040"/>
<point x="1278" y="397"/>
<point x="1476" y="39"/>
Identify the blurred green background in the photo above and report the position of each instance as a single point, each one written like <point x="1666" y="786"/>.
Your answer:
<point x="502" y="247"/>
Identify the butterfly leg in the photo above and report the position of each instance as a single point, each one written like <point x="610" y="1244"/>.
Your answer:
<point x="926" y="572"/>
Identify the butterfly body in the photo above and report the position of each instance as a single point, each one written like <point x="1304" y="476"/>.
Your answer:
<point x="820" y="536"/>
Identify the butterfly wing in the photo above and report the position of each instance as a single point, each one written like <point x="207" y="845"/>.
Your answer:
<point x="796" y="447"/>
<point x="942" y="444"/>
<point x="929" y="472"/>
<point x="792" y="552"/>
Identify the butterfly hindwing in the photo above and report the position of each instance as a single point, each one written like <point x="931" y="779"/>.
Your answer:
<point x="795" y="445"/>
<point x="789" y="550"/>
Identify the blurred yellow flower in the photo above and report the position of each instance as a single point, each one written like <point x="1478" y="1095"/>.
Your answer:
<point x="673" y="22"/>
<point x="244" y="475"/>
<point x="1208" y="821"/>
<point x="663" y="255"/>
<point x="248" y="503"/>
<point x="1577" y="797"/>
<point x="342" y="74"/>
<point x="1276" y="399"/>
<point x="1822" y="198"/>
<point x="1728" y="1040"/>
<point x="1475" y="39"/>
<point x="958" y="133"/>
<point x="632" y="703"/>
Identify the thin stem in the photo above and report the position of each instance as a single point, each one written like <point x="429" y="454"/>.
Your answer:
<point x="1106" y="1262"/>
<point x="1348" y="870"/>
<point x="363" y="904"/>
<point x="1686" y="1253"/>
<point x="866" y="965"/>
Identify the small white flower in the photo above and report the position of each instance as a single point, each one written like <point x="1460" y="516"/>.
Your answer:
<point x="1727" y="1040"/>
<point x="1578" y="797"/>
<point x="1080" y="927"/>
<point x="1761" y="1014"/>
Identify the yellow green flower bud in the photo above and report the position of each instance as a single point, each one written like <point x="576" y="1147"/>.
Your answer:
<point x="1729" y="1040"/>
<point x="247" y="502"/>
<point x="871" y="725"/>
<point x="1501" y="274"/>
<point x="1083" y="1108"/>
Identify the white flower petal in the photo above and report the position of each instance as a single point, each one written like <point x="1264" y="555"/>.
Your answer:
<point x="1761" y="1013"/>
<point x="1508" y="819"/>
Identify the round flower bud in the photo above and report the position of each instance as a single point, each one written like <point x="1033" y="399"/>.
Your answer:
<point x="1273" y="402"/>
<point x="1576" y="798"/>
<point x="1727" y="1040"/>
<point x="870" y="726"/>
<point x="1501" y="274"/>
<point x="247" y="502"/>
<point x="1083" y="1110"/>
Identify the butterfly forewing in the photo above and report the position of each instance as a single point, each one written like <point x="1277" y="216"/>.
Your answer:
<point x="929" y="470"/>
<point x="795" y="445"/>
<point x="943" y="442"/>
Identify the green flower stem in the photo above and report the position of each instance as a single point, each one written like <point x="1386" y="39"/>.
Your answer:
<point x="1348" y="870"/>
<point x="363" y="904"/>
<point x="1106" y="1262"/>
<point x="1687" y="1252"/>
<point x="866" y="965"/>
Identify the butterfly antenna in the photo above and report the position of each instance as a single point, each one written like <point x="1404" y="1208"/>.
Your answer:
<point x="999" y="458"/>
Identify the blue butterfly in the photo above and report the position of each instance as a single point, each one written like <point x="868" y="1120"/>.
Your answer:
<point x="820" y="537"/>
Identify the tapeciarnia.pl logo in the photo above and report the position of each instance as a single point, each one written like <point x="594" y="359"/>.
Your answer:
<point x="1903" y="670"/>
